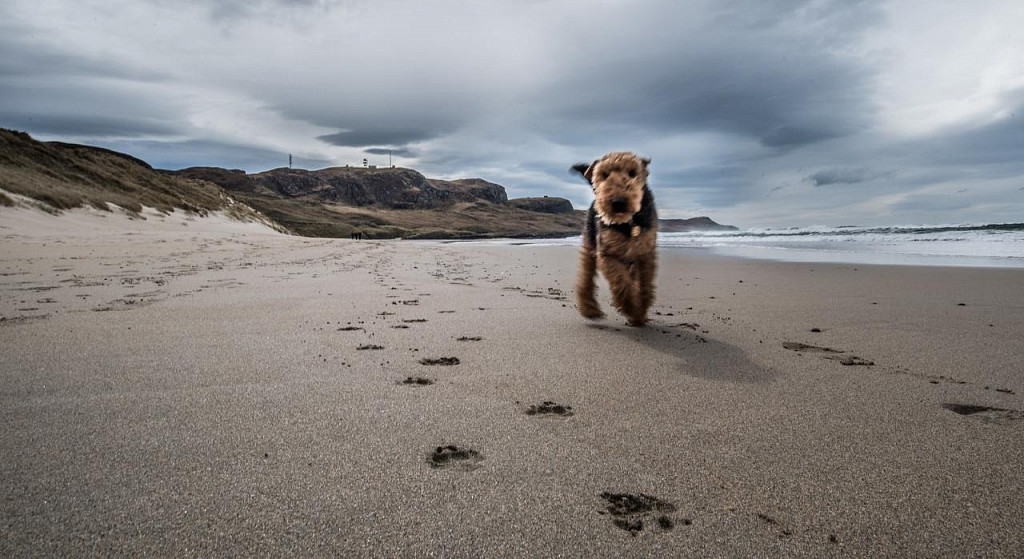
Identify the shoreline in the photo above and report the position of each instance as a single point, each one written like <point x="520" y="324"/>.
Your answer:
<point x="94" y="220"/>
<point x="800" y="255"/>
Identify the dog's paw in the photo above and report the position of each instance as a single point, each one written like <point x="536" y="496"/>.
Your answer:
<point x="637" y="322"/>
<point x="591" y="313"/>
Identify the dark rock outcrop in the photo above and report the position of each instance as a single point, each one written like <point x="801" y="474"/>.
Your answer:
<point x="472" y="190"/>
<point x="297" y="183"/>
<point x="230" y="179"/>
<point x="544" y="204"/>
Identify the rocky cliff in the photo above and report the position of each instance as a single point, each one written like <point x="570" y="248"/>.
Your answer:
<point x="392" y="188"/>
<point x="469" y="190"/>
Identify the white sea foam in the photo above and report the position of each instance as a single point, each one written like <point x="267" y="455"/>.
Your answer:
<point x="992" y="245"/>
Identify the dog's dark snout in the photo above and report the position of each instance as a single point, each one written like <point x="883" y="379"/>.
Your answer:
<point x="618" y="204"/>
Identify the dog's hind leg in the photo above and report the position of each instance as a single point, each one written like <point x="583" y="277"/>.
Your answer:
<point x="586" y="286"/>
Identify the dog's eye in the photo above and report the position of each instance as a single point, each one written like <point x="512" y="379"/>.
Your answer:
<point x="632" y="173"/>
<point x="603" y="175"/>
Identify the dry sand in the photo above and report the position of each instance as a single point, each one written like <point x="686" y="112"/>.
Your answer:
<point x="175" y="387"/>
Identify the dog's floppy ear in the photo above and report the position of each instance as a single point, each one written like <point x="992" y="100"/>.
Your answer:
<point x="580" y="168"/>
<point x="586" y="170"/>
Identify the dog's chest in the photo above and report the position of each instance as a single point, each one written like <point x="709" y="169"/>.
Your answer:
<point x="626" y="245"/>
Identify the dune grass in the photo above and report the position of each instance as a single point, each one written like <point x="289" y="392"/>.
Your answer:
<point x="67" y="176"/>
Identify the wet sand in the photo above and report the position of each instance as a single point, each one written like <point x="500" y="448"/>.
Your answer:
<point x="176" y="387"/>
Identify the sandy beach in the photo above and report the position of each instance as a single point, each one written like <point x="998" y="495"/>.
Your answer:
<point x="181" y="386"/>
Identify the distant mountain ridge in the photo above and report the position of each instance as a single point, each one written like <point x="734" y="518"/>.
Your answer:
<point x="692" y="224"/>
<point x="333" y="202"/>
<point x="388" y="202"/>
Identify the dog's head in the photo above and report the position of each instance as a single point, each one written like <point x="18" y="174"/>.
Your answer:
<point x="618" y="180"/>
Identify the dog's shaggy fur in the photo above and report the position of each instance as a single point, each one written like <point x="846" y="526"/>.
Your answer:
<point x="619" y="237"/>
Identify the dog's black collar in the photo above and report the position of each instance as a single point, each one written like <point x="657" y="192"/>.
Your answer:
<point x="627" y="228"/>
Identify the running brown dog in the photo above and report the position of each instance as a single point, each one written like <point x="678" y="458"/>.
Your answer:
<point x="619" y="237"/>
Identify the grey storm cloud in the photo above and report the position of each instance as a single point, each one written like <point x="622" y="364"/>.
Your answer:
<point x="75" y="125"/>
<point x="749" y="108"/>
<point x="780" y="110"/>
<point x="768" y="73"/>
<point x="198" y="153"/>
<point x="992" y="149"/>
<point x="227" y="11"/>
<point x="934" y="203"/>
<point x="710" y="185"/>
<point x="397" y="152"/>
<point x="38" y="59"/>
<point x="993" y="143"/>
<point x="96" y="109"/>
<point x="842" y="176"/>
<point x="377" y="136"/>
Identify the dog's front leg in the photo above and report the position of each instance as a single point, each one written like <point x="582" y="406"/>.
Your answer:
<point x="646" y="269"/>
<point x="586" y="286"/>
<point x="623" y="288"/>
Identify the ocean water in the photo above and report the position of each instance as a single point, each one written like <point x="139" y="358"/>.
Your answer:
<point x="986" y="245"/>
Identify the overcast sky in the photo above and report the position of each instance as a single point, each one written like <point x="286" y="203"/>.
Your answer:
<point x="755" y="112"/>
